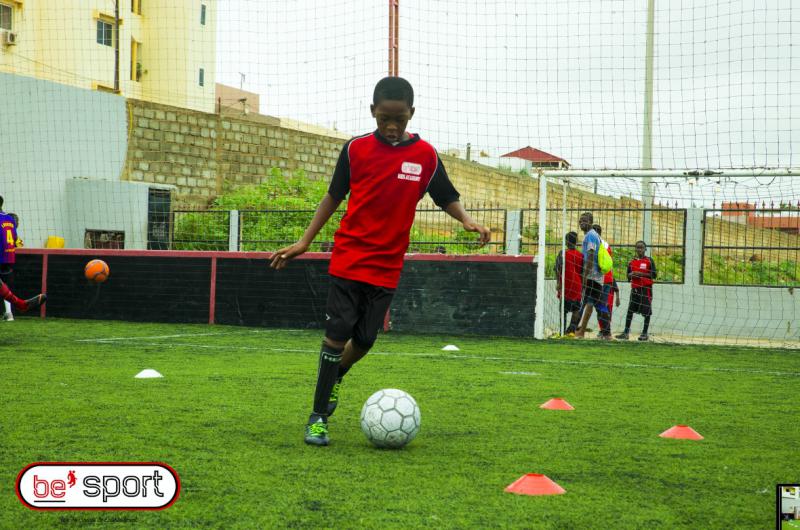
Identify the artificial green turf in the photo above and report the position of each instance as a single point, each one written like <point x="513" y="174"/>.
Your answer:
<point x="229" y="415"/>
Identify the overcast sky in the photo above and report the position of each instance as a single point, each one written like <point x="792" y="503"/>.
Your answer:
<point x="565" y="76"/>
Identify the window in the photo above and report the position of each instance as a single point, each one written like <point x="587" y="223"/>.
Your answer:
<point x="104" y="33"/>
<point x="5" y="17"/>
<point x="202" y="79"/>
<point x="136" y="6"/>
<point x="203" y="14"/>
<point x="136" y="61"/>
<point x="113" y="239"/>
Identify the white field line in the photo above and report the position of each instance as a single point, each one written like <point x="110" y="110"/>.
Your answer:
<point x="114" y="339"/>
<point x="474" y="357"/>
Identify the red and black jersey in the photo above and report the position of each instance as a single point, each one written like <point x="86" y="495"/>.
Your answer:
<point x="646" y="265"/>
<point x="572" y="274"/>
<point x="385" y="183"/>
<point x="609" y="276"/>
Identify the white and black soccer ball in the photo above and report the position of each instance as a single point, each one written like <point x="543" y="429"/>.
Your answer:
<point x="390" y="418"/>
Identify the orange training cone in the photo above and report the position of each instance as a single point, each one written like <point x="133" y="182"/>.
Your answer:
<point x="683" y="432"/>
<point x="556" y="404"/>
<point x="534" y="484"/>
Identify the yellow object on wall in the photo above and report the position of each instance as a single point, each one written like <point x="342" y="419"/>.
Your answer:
<point x="54" y="242"/>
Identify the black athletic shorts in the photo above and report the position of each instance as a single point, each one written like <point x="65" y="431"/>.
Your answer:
<point x="7" y="274"/>
<point x="641" y="301"/>
<point x="593" y="295"/>
<point x="356" y="310"/>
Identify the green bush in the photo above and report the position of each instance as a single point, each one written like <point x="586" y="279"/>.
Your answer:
<point x="276" y="212"/>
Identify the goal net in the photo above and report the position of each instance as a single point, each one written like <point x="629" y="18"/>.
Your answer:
<point x="211" y="126"/>
<point x="725" y="247"/>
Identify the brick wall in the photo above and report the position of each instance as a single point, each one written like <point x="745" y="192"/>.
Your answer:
<point x="200" y="153"/>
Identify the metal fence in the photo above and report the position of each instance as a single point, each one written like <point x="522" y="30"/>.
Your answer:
<point x="751" y="246"/>
<point x="265" y="230"/>
<point x="200" y="230"/>
<point x="434" y="231"/>
<point x="622" y="228"/>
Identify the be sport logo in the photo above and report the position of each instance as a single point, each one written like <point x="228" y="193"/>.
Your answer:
<point x="98" y="486"/>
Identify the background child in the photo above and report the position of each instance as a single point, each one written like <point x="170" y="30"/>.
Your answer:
<point x="641" y="273"/>
<point x="571" y="290"/>
<point x="9" y="241"/>
<point x="610" y="288"/>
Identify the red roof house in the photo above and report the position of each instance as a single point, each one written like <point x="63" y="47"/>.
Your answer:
<point x="538" y="158"/>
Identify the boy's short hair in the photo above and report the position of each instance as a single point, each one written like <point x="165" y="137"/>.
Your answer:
<point x="1" y="202"/>
<point x="588" y="216"/>
<point x="571" y="238"/>
<point x="393" y="88"/>
<point x="642" y="242"/>
<point x="598" y="229"/>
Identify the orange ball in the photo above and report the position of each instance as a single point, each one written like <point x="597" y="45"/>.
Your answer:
<point x="96" y="271"/>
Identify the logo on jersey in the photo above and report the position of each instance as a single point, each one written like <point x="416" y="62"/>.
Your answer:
<point x="410" y="171"/>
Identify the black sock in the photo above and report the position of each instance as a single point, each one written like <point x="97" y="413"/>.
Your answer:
<point x="628" y="320"/>
<point x="646" y="324"/>
<point x="342" y="371"/>
<point x="329" y="359"/>
<point x="604" y="321"/>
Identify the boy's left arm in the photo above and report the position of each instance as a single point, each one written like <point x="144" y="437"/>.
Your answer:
<point x="653" y="271"/>
<point x="457" y="211"/>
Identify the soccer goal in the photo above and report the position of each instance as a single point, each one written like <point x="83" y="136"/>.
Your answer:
<point x="724" y="245"/>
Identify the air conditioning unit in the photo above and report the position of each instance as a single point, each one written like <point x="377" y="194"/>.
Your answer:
<point x="9" y="38"/>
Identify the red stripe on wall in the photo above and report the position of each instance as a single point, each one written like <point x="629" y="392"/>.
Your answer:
<point x="492" y="258"/>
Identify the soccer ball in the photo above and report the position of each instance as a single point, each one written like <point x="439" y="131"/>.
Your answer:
<point x="390" y="418"/>
<point x="96" y="271"/>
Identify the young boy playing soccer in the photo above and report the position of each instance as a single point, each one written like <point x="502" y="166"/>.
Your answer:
<point x="571" y="290"/>
<point x="386" y="173"/>
<point x="641" y="273"/>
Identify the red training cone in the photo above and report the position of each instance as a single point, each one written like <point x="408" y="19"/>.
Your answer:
<point x="534" y="484"/>
<point x="683" y="432"/>
<point x="556" y="404"/>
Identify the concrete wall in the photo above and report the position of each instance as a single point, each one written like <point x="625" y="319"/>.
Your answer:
<point x="695" y="310"/>
<point x="51" y="133"/>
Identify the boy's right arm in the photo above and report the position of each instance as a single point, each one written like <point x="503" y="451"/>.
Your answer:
<point x="326" y="207"/>
<point x="337" y="191"/>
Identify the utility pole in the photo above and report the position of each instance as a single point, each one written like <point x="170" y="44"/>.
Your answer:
<point x="647" y="126"/>
<point x="394" y="37"/>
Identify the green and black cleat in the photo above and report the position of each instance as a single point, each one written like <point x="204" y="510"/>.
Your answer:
<point x="643" y="337"/>
<point x="334" y="400"/>
<point x="317" y="431"/>
<point x="622" y="336"/>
